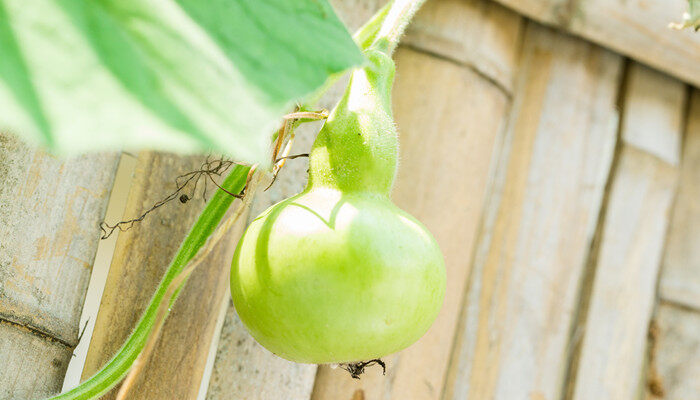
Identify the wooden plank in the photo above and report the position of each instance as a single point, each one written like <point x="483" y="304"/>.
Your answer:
<point x="680" y="279"/>
<point x="32" y="365"/>
<point x="653" y="113"/>
<point x="49" y="214"/>
<point x="245" y="370"/>
<point x="141" y="256"/>
<point x="637" y="29"/>
<point x="100" y="269"/>
<point x="448" y="135"/>
<point x="488" y="42"/>
<point x="676" y="349"/>
<point x="633" y="235"/>
<point x="539" y="224"/>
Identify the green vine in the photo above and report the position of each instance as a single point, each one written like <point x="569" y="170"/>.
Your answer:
<point x="207" y="222"/>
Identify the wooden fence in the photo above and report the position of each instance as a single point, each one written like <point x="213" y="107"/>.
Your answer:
<point x="560" y="178"/>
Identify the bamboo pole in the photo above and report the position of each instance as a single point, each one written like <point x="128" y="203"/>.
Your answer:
<point x="636" y="29"/>
<point x="50" y="210"/>
<point x="674" y="339"/>
<point x="513" y="341"/>
<point x="142" y="254"/>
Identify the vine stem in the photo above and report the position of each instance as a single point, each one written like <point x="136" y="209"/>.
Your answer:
<point x="394" y="24"/>
<point x="385" y="28"/>
<point x="251" y="184"/>
<point x="205" y="225"/>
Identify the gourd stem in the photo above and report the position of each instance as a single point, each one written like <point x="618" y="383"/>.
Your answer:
<point x="207" y="222"/>
<point x="395" y="23"/>
<point x="364" y="37"/>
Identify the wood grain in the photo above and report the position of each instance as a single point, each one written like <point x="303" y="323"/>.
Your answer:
<point x="654" y="111"/>
<point x="478" y="34"/>
<point x="32" y="365"/>
<point x="637" y="29"/>
<point x="245" y="370"/>
<point x="633" y="235"/>
<point x="540" y="222"/>
<point x="680" y="279"/>
<point x="449" y="120"/>
<point x="49" y="214"/>
<point x="675" y="347"/>
<point x="677" y="353"/>
<point x="141" y="256"/>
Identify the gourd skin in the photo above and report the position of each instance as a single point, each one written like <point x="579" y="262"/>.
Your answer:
<point x="326" y="277"/>
<point x="338" y="273"/>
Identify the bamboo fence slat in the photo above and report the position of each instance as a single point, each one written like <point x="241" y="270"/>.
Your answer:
<point x="513" y="340"/>
<point x="637" y="29"/>
<point x="175" y="369"/>
<point x="674" y="355"/>
<point x="49" y="214"/>
<point x="479" y="34"/>
<point x="632" y="238"/>
<point x="680" y="279"/>
<point x="654" y="109"/>
<point x="676" y="349"/>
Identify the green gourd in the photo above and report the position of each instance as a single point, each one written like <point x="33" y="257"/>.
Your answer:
<point x="338" y="273"/>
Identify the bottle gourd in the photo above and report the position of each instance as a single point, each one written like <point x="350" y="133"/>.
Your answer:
<point x="338" y="273"/>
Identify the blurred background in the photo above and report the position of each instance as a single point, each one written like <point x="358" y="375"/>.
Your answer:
<point x="551" y="146"/>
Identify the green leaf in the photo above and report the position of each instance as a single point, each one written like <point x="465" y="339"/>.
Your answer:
<point x="177" y="75"/>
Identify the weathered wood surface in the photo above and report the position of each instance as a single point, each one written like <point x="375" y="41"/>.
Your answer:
<point x="458" y="114"/>
<point x="49" y="214"/>
<point x="32" y="365"/>
<point x="654" y="112"/>
<point x="680" y="280"/>
<point x="477" y="33"/>
<point x="100" y="268"/>
<point x="141" y="256"/>
<point x="633" y="234"/>
<point x="488" y="43"/>
<point x="638" y="29"/>
<point x="245" y="370"/>
<point x="676" y="348"/>
<point x="541" y="218"/>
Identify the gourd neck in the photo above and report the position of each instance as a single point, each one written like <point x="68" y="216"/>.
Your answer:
<point x="357" y="147"/>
